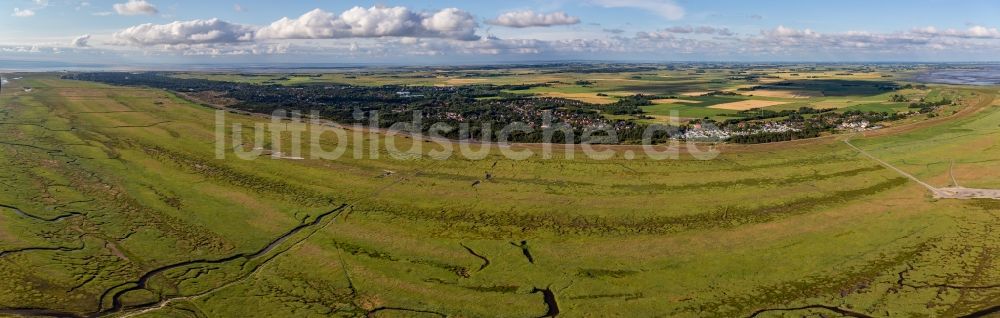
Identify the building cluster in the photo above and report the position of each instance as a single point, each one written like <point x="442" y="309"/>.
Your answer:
<point x="855" y="125"/>
<point x="767" y="127"/>
<point x="713" y="133"/>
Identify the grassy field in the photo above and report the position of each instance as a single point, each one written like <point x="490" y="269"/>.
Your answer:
<point x="113" y="204"/>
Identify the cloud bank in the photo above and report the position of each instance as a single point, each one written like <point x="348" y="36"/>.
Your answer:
<point x="528" y="18"/>
<point x="720" y="31"/>
<point x="359" y="22"/>
<point x="185" y="32"/>
<point x="381" y="32"/>
<point x="974" y="32"/>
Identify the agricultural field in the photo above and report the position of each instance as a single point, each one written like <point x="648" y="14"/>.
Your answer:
<point x="113" y="203"/>
<point x="844" y="87"/>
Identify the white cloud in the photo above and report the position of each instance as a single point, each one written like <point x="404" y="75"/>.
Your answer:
<point x="977" y="31"/>
<point x="374" y="22"/>
<point x="766" y="45"/>
<point x="102" y="13"/>
<point x="135" y="7"/>
<point x="81" y="41"/>
<point x="23" y="13"/>
<point x="212" y="49"/>
<point x="654" y="35"/>
<point x="665" y="8"/>
<point x="784" y="39"/>
<point x="528" y="18"/>
<point x="19" y="49"/>
<point x="42" y="2"/>
<point x="782" y="31"/>
<point x="392" y="32"/>
<point x="185" y="32"/>
<point x="982" y="32"/>
<point x="238" y="8"/>
<point x="699" y="30"/>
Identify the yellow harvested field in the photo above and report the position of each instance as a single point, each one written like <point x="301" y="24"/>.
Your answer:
<point x="698" y="93"/>
<point x="617" y="80"/>
<point x="461" y="81"/>
<point x="583" y="97"/>
<point x="674" y="101"/>
<point x="747" y="104"/>
<point x="783" y="93"/>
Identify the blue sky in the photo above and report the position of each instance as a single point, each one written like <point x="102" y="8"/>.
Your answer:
<point x="180" y="31"/>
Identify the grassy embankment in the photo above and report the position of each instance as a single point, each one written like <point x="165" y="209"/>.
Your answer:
<point x="758" y="228"/>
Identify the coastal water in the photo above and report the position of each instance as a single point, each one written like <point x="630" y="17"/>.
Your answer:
<point x="980" y="75"/>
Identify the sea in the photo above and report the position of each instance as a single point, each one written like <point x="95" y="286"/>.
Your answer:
<point x="978" y="75"/>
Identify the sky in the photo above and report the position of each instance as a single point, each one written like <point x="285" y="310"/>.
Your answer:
<point x="444" y="32"/>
